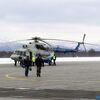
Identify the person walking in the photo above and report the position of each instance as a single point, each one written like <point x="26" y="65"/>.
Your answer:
<point x="27" y="64"/>
<point x="39" y="63"/>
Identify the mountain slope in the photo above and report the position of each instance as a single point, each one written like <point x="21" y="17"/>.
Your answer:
<point x="9" y="46"/>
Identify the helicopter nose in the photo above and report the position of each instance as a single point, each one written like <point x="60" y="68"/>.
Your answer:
<point x="14" y="57"/>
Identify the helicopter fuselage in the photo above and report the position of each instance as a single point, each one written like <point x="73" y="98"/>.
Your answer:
<point x="31" y="50"/>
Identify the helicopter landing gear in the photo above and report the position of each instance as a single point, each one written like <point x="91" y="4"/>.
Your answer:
<point x="50" y="63"/>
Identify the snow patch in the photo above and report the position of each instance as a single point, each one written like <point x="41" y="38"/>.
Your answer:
<point x="59" y="59"/>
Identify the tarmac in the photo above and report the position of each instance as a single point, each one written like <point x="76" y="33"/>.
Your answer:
<point x="65" y="81"/>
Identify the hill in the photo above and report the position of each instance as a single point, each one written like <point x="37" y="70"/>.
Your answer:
<point x="9" y="46"/>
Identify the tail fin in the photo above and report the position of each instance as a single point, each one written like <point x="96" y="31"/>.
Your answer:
<point x="77" y="47"/>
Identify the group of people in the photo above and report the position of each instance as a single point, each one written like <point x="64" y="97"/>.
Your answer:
<point x="38" y="62"/>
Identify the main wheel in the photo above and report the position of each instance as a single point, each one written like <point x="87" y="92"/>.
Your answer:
<point x="50" y="63"/>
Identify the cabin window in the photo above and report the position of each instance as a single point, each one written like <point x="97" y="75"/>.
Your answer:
<point x="41" y="47"/>
<point x="20" y="53"/>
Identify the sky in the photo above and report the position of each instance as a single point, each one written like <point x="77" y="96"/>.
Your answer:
<point x="61" y="19"/>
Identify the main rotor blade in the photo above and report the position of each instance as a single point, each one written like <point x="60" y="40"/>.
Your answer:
<point x="61" y="40"/>
<point x="15" y="41"/>
<point x="75" y="41"/>
<point x="91" y="44"/>
<point x="43" y="40"/>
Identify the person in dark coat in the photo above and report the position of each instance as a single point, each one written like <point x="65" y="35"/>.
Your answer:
<point x="27" y="64"/>
<point x="39" y="63"/>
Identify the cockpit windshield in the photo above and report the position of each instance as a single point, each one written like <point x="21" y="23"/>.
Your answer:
<point x="42" y="47"/>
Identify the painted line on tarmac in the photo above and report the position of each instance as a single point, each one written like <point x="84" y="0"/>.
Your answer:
<point x="22" y="88"/>
<point x="15" y="78"/>
<point x="52" y="80"/>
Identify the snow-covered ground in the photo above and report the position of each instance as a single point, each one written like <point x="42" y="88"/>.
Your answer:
<point x="59" y="59"/>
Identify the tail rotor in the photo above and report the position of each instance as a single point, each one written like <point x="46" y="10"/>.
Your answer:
<point x="83" y="42"/>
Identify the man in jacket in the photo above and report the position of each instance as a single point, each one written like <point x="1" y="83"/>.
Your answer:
<point x="27" y="64"/>
<point x="39" y="63"/>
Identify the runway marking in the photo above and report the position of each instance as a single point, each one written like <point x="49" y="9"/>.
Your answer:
<point x="53" y="80"/>
<point x="15" y="78"/>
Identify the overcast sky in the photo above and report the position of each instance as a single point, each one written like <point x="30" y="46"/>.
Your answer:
<point x="64" y="19"/>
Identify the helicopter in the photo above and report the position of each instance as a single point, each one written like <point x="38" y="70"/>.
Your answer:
<point x="42" y="47"/>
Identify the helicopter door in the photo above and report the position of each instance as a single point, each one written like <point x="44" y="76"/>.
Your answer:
<point x="31" y="57"/>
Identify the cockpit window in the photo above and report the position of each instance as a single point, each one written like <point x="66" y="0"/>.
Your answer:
<point x="42" y="47"/>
